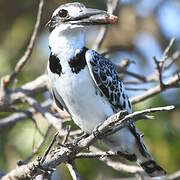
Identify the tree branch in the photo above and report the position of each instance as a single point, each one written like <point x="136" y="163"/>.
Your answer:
<point x="173" y="82"/>
<point x="22" y="61"/>
<point x="73" y="170"/>
<point x="65" y="154"/>
<point x="112" y="7"/>
<point x="104" y="157"/>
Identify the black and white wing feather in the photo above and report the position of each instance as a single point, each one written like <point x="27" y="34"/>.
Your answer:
<point x="107" y="80"/>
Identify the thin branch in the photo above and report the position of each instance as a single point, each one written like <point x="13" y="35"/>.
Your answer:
<point x="159" y="67"/>
<point x="171" y="83"/>
<point x="73" y="170"/>
<point x="100" y="38"/>
<point x="39" y="146"/>
<point x="56" y="122"/>
<point x="97" y="154"/>
<point x="171" y="60"/>
<point x="32" y="88"/>
<point x="173" y="176"/>
<point x="103" y="156"/>
<point x="118" y="121"/>
<point x="49" y="148"/>
<point x="135" y="89"/>
<point x="140" y="77"/>
<point x="166" y="51"/>
<point x="16" y="117"/>
<point x="67" y="135"/>
<point x="36" y="125"/>
<point x="112" y="7"/>
<point x="22" y="61"/>
<point x="23" y="172"/>
<point x="118" y="166"/>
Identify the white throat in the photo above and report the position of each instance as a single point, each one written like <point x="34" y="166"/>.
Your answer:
<point x="65" y="43"/>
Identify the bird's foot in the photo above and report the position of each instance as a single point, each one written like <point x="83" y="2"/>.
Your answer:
<point x="69" y="145"/>
<point x="123" y="113"/>
<point x="96" y="132"/>
<point x="79" y="138"/>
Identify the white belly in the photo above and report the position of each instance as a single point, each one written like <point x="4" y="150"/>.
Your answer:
<point x="88" y="108"/>
<point x="80" y="95"/>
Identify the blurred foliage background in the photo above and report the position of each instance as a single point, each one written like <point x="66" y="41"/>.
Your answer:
<point x="144" y="30"/>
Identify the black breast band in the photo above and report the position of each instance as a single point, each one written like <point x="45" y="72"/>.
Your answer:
<point x="54" y="64"/>
<point x="78" y="62"/>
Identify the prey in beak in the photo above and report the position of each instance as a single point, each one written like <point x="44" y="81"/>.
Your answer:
<point x="78" y="14"/>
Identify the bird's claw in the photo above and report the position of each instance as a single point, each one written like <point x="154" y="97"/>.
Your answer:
<point x="79" y="138"/>
<point x="96" y="132"/>
<point x="69" y="145"/>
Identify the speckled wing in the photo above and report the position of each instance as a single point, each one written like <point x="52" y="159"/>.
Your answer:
<point x="107" y="80"/>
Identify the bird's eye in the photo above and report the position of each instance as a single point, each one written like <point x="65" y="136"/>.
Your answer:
<point x="62" y="13"/>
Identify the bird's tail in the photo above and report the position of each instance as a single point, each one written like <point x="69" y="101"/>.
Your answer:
<point x="132" y="143"/>
<point x="144" y="159"/>
<point x="152" y="168"/>
<point x="149" y="165"/>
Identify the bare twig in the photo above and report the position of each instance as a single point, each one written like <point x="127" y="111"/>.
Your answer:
<point x="112" y="7"/>
<point x="12" y="119"/>
<point x="135" y="89"/>
<point x="159" y="67"/>
<point x="32" y="88"/>
<point x="119" y="69"/>
<point x="103" y="156"/>
<point x="51" y="118"/>
<point x="36" y="126"/>
<point x="166" y="51"/>
<point x="100" y="37"/>
<point x="49" y="148"/>
<point x="174" y="176"/>
<point x="39" y="146"/>
<point x="73" y="170"/>
<point x="97" y="154"/>
<point x="24" y="172"/>
<point x="171" y="60"/>
<point x="173" y="82"/>
<point x="27" y="54"/>
<point x="118" y="122"/>
<point x="118" y="166"/>
<point x="67" y="135"/>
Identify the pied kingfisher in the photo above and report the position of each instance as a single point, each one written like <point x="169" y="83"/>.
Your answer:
<point x="87" y="85"/>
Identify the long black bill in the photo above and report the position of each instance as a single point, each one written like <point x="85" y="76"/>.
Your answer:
<point x="93" y="17"/>
<point x="87" y="17"/>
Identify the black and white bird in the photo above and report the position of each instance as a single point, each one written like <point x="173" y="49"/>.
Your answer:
<point x="87" y="85"/>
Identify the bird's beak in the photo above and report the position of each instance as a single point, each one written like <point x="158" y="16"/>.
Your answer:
<point x="93" y="17"/>
<point x="86" y="17"/>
